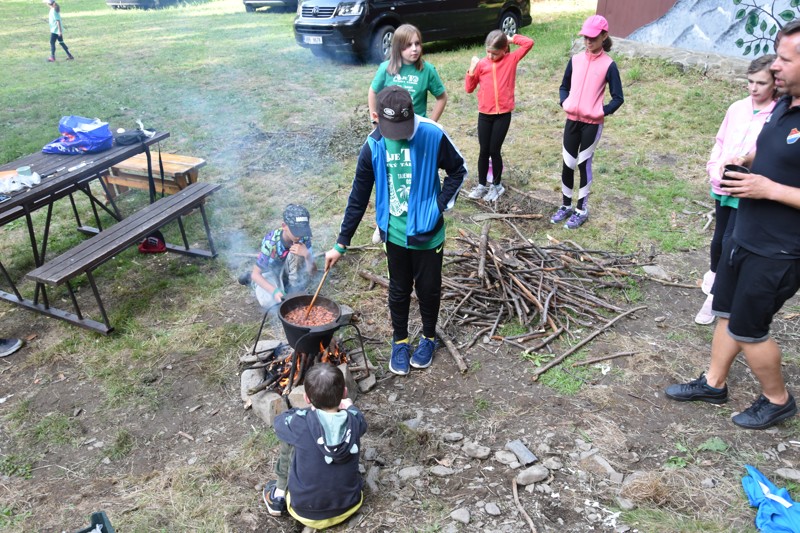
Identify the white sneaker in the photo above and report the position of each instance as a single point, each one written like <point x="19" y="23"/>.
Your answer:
<point x="478" y="191"/>
<point x="708" y="282"/>
<point x="376" y="237"/>
<point x="704" y="316"/>
<point x="494" y="193"/>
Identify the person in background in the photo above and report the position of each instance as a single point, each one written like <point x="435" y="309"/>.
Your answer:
<point x="495" y="76"/>
<point x="56" y="30"/>
<point x="9" y="346"/>
<point x="581" y="94"/>
<point x="285" y="262"/>
<point x="407" y="69"/>
<point x="318" y="482"/>
<point x="736" y="136"/>
<point x="761" y="266"/>
<point x="401" y="160"/>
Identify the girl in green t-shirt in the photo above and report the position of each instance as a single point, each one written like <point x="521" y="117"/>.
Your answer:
<point x="407" y="69"/>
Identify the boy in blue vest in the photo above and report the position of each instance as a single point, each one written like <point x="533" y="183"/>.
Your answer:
<point x="401" y="160"/>
<point x="318" y="480"/>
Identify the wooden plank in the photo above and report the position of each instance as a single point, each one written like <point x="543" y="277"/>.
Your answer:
<point x="174" y="164"/>
<point x="106" y="244"/>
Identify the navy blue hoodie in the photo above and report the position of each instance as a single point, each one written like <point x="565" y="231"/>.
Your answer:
<point x="324" y="481"/>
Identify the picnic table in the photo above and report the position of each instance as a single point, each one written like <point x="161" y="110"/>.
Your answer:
<point x="63" y="176"/>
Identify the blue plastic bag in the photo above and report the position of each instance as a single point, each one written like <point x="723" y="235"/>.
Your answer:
<point x="80" y="135"/>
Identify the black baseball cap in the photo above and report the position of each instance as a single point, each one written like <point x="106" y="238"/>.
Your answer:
<point x="395" y="113"/>
<point x="297" y="218"/>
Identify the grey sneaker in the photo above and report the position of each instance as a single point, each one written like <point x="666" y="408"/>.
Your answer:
<point x="9" y="346"/>
<point x="577" y="219"/>
<point x="494" y="193"/>
<point x="563" y="213"/>
<point x="478" y="191"/>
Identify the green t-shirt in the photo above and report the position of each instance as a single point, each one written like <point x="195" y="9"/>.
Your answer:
<point x="417" y="82"/>
<point x="398" y="172"/>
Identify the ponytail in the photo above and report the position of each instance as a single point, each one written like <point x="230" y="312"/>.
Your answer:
<point x="607" y="43"/>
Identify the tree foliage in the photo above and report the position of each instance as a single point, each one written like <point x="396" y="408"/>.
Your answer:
<point x="762" y="25"/>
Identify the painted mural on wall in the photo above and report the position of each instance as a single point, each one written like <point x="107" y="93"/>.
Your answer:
<point x="730" y="27"/>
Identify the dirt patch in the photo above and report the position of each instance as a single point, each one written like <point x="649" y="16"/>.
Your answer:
<point x="182" y="432"/>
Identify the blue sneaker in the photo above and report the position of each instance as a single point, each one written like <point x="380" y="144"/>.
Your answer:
<point x="563" y="213"/>
<point x="276" y="506"/>
<point x="398" y="364"/>
<point x="423" y="355"/>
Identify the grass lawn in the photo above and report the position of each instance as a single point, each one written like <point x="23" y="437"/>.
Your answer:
<point x="278" y="125"/>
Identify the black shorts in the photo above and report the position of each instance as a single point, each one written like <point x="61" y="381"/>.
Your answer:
<point x="749" y="289"/>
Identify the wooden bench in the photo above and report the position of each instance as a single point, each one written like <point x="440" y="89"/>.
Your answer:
<point x="90" y="254"/>
<point x="179" y="172"/>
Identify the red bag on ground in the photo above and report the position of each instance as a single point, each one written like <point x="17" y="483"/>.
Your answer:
<point x="153" y="244"/>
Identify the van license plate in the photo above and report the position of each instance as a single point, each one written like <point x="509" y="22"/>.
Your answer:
<point x="312" y="39"/>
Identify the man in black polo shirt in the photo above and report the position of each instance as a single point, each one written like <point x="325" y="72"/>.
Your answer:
<point x="760" y="266"/>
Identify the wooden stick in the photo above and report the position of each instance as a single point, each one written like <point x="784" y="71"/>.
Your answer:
<point x="539" y="371"/>
<point x="314" y="299"/>
<point x="604" y="358"/>
<point x="482" y="250"/>
<point x="462" y="365"/>
<point x="488" y="216"/>
<point x="519" y="505"/>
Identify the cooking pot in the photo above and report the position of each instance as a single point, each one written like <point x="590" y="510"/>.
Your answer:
<point x="307" y="339"/>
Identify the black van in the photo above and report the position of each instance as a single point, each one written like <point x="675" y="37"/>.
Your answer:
<point x="366" y="27"/>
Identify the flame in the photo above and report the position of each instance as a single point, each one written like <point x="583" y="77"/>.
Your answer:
<point x="330" y="354"/>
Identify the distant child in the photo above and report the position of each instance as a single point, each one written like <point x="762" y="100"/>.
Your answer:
<point x="496" y="74"/>
<point x="285" y="262"/>
<point x="56" y="30"/>
<point x="318" y="480"/>
<point x="736" y="137"/>
<point x="581" y="95"/>
<point x="407" y="69"/>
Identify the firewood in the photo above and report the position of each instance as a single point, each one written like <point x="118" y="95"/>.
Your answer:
<point x="539" y="371"/>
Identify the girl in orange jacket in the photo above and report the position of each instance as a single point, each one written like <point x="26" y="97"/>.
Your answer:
<point x="495" y="77"/>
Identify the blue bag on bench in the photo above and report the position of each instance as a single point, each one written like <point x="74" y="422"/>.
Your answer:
<point x="80" y="135"/>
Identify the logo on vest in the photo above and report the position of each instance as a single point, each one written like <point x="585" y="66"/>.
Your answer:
<point x="794" y="135"/>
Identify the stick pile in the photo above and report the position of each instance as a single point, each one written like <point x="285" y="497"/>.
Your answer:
<point x="548" y="289"/>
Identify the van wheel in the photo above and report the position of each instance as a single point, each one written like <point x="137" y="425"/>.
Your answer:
<point x="381" y="46"/>
<point x="249" y="8"/>
<point x="509" y="23"/>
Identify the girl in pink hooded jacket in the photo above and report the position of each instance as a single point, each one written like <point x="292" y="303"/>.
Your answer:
<point x="581" y="96"/>
<point x="736" y="137"/>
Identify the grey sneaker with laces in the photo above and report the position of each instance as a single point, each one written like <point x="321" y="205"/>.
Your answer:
<point x="478" y="191"/>
<point x="494" y="193"/>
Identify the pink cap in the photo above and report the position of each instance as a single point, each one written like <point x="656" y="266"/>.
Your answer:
<point x="593" y="26"/>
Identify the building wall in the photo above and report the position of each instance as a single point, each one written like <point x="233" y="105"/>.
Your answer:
<point x="625" y="16"/>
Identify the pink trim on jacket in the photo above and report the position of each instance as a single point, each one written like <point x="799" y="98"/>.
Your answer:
<point x="736" y="137"/>
<point x="497" y="79"/>
<point x="587" y="88"/>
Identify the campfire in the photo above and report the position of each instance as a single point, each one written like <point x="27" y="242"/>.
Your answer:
<point x="287" y="372"/>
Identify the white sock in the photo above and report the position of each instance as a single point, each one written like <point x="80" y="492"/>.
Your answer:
<point x="279" y="493"/>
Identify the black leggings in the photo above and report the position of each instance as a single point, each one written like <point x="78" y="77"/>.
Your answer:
<point x="492" y="130"/>
<point x="60" y="38"/>
<point x="414" y="269"/>
<point x="723" y="229"/>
